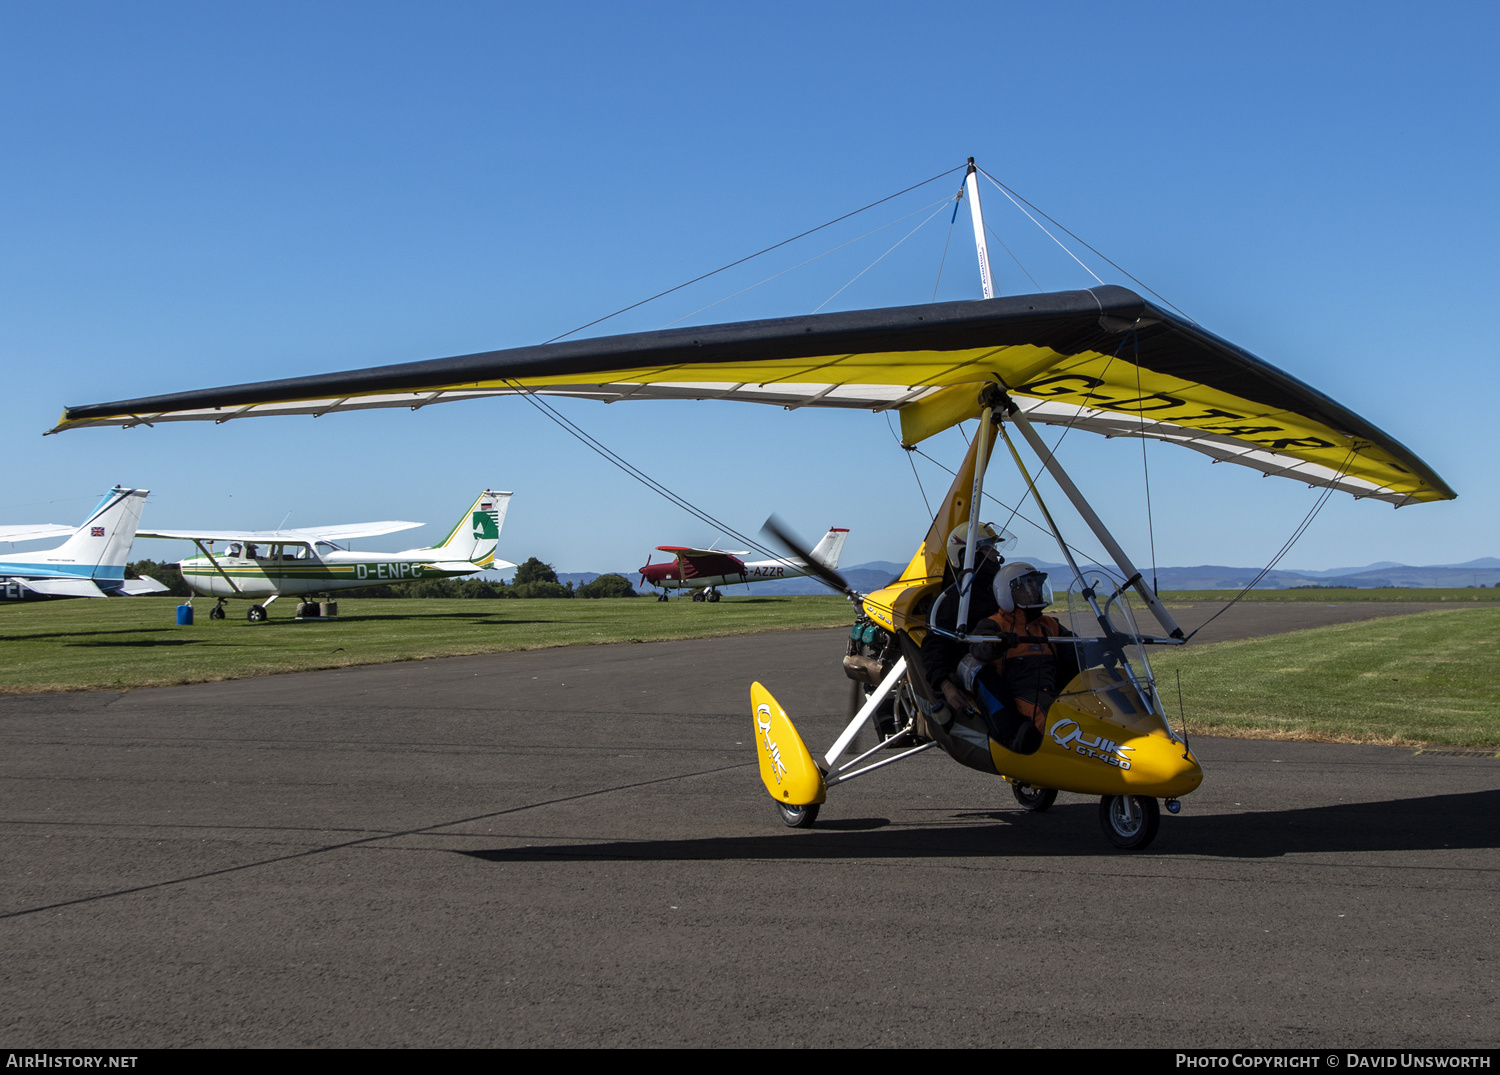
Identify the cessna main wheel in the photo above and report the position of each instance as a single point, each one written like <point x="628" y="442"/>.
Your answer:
<point x="1034" y="799"/>
<point x="797" y="817"/>
<point x="1129" y="821"/>
<point x="257" y="614"/>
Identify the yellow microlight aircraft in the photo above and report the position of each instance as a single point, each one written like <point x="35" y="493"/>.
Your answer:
<point x="1102" y="359"/>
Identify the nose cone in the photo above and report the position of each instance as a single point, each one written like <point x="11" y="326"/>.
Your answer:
<point x="1164" y="767"/>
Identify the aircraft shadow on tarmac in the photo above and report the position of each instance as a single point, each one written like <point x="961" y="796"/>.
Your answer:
<point x="1470" y="820"/>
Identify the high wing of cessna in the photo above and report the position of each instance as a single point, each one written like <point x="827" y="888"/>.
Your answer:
<point x="703" y="571"/>
<point x="262" y="565"/>
<point x="91" y="563"/>
<point x="1102" y="359"/>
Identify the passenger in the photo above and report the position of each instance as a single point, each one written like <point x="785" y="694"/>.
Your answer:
<point x="1014" y="678"/>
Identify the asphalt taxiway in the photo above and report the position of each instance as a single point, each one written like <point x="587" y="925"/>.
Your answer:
<point x="572" y="847"/>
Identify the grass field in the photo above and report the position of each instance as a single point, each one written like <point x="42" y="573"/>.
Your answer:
<point x="1336" y="596"/>
<point x="1432" y="677"/>
<point x="135" y="642"/>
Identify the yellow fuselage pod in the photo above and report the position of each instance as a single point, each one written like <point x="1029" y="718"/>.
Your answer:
<point x="1101" y="740"/>
<point x="786" y="768"/>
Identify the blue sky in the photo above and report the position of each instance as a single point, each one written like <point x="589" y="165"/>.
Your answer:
<point x="206" y="194"/>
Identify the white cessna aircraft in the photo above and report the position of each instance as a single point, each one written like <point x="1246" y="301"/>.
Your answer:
<point x="263" y="565"/>
<point x="91" y="563"/>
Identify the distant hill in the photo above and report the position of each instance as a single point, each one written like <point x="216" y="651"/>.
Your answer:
<point x="1484" y="571"/>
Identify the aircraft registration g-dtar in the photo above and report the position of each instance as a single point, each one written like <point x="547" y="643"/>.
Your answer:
<point x="262" y="565"/>
<point x="1102" y="359"/>
<point x="91" y="563"/>
<point x="703" y="571"/>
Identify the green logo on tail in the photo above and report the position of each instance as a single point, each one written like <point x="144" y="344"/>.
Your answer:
<point x="484" y="526"/>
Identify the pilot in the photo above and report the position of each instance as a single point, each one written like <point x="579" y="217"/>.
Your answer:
<point x="1014" y="677"/>
<point x="940" y="655"/>
<point x="252" y="552"/>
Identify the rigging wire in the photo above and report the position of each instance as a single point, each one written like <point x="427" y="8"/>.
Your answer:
<point x="1014" y="196"/>
<point x="809" y="261"/>
<point x="1015" y="512"/>
<point x="958" y="200"/>
<point x="1047" y="233"/>
<point x="1013" y="257"/>
<point x="635" y="472"/>
<point x="757" y="254"/>
<point x="1145" y="466"/>
<point x="878" y="260"/>
<point x="1286" y="548"/>
<point x="908" y="452"/>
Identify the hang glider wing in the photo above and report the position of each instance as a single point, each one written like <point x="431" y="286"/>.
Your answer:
<point x="306" y="535"/>
<point x="1103" y="359"/>
<point x="35" y="531"/>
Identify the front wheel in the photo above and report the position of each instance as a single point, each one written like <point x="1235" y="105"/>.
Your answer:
<point x="1034" y="799"/>
<point x="216" y="613"/>
<point x="797" y="817"/>
<point x="1129" y="821"/>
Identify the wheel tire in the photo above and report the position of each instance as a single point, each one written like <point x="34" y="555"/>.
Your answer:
<point x="257" y="614"/>
<point x="1129" y="821"/>
<point x="216" y="613"/>
<point x="1037" y="800"/>
<point x="713" y="599"/>
<point x="698" y="595"/>
<point x="797" y="817"/>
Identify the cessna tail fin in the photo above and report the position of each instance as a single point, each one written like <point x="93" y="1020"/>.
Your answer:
<point x="828" y="550"/>
<point x="99" y="548"/>
<point x="474" y="537"/>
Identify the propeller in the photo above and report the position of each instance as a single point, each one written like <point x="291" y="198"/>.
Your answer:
<point x="798" y="548"/>
<point x="643" y="570"/>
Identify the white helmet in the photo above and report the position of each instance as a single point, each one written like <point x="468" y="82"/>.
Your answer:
<point x="1021" y="585"/>
<point x="989" y="538"/>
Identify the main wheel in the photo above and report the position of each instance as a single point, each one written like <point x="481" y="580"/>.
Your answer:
<point x="713" y="597"/>
<point x="698" y="595"/>
<point x="216" y="613"/>
<point x="1129" y="821"/>
<point x="797" y="817"/>
<point x="1034" y="799"/>
<point x="257" y="614"/>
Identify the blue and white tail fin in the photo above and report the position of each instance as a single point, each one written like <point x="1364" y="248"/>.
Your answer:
<point x="827" y="551"/>
<point x="475" y="535"/>
<point x="96" y="553"/>
<point x="100" y="547"/>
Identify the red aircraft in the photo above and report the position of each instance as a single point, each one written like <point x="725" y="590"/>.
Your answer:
<point x="703" y="571"/>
